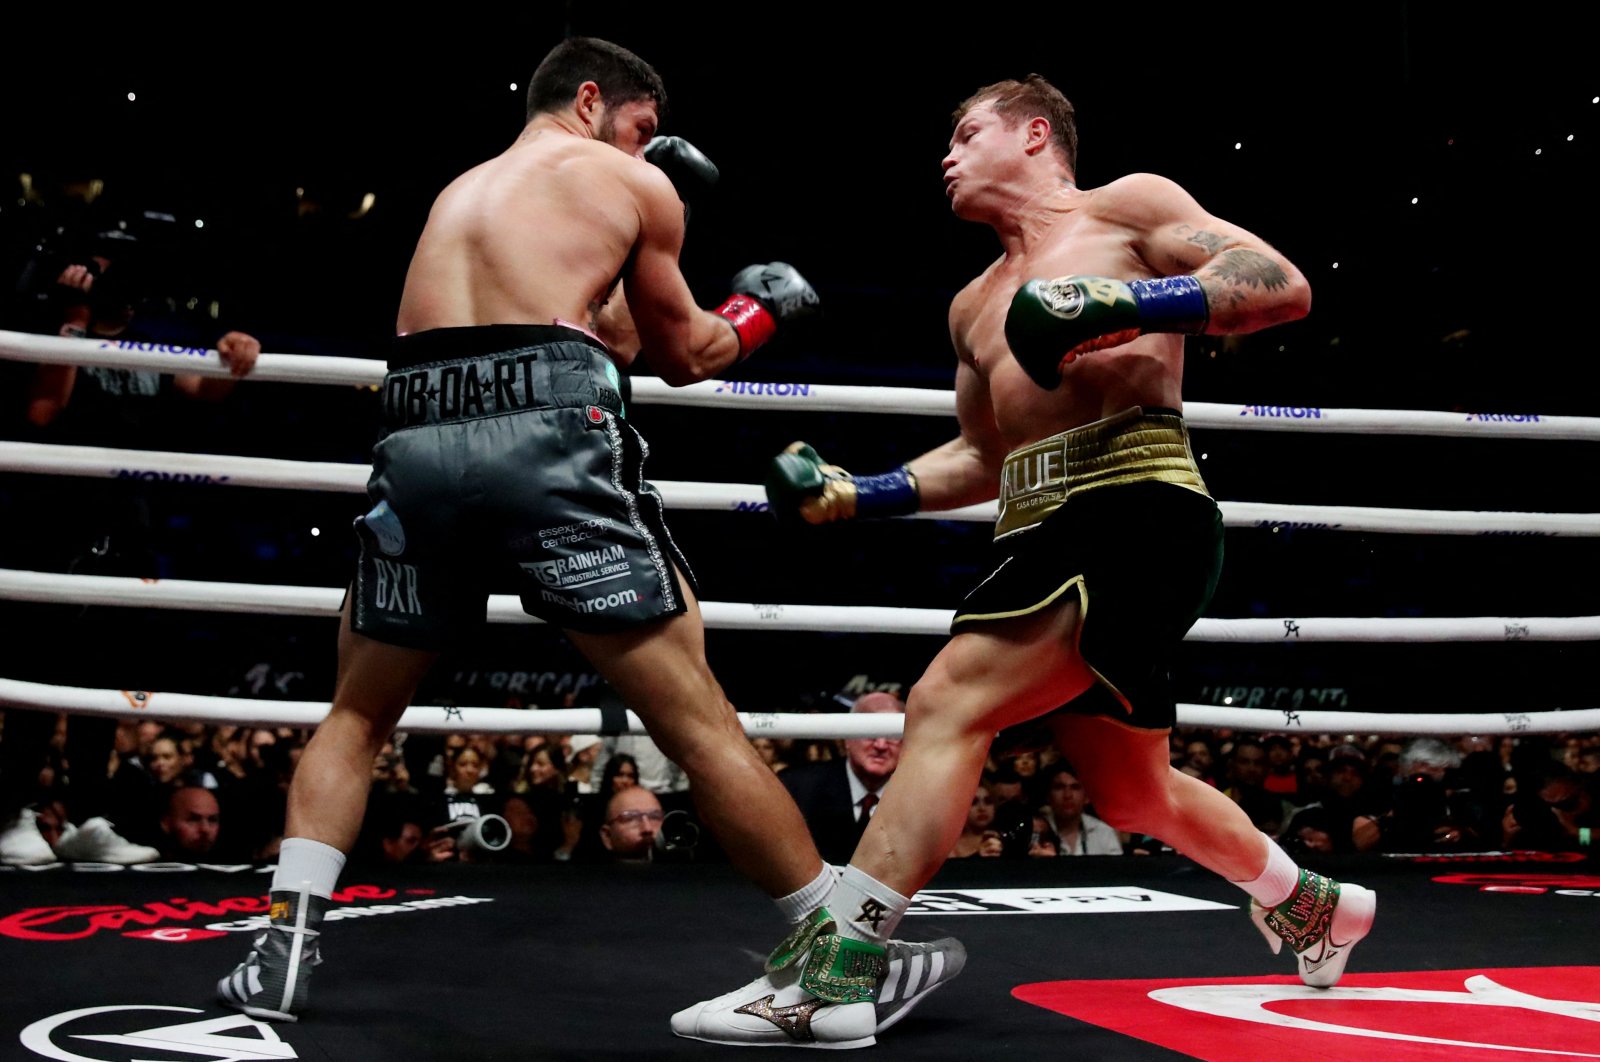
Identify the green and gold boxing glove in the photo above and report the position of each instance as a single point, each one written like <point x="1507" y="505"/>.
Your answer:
<point x="1051" y="322"/>
<point x="800" y="484"/>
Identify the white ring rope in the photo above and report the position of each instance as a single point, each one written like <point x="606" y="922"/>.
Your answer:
<point x="258" y="599"/>
<point x="808" y="397"/>
<point x="234" y="471"/>
<point x="186" y="707"/>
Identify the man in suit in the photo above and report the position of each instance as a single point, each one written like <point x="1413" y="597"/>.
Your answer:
<point x="837" y="796"/>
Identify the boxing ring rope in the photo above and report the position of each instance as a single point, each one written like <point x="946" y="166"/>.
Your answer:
<point x="222" y="470"/>
<point x="259" y="599"/>
<point x="442" y="719"/>
<point x="350" y="478"/>
<point x="817" y="398"/>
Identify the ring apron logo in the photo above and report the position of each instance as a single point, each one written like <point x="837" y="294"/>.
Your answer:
<point x="111" y="1034"/>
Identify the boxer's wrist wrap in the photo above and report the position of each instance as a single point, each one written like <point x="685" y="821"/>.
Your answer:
<point x="1171" y="304"/>
<point x="752" y="322"/>
<point x="1585" y="836"/>
<point x="887" y="494"/>
<point x="72" y="331"/>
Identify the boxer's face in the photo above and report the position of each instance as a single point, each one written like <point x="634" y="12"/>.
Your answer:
<point x="983" y="149"/>
<point x="628" y="128"/>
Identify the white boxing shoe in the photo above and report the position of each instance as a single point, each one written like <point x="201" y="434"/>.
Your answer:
<point x="1322" y="921"/>
<point x="824" y="991"/>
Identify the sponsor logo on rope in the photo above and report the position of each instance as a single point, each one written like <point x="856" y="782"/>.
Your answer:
<point x="1516" y="722"/>
<point x="126" y="1038"/>
<point x="1504" y="418"/>
<point x="1516" y="632"/>
<point x="156" y="348"/>
<point x="1486" y="857"/>
<point x="1514" y="1013"/>
<point x="1291" y="628"/>
<point x="1283" y="412"/>
<point x="148" y="475"/>
<point x="1099" y="900"/>
<point x="1297" y="525"/>
<point x="746" y="387"/>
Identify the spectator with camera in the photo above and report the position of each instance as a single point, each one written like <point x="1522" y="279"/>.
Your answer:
<point x="1430" y="811"/>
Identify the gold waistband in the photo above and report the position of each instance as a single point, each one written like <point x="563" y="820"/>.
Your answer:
<point x="1131" y="447"/>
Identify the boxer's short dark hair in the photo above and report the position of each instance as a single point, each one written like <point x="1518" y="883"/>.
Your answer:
<point x="622" y="76"/>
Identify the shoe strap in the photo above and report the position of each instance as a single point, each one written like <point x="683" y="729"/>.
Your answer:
<point x="844" y="970"/>
<point x="1304" y="918"/>
<point x="791" y="947"/>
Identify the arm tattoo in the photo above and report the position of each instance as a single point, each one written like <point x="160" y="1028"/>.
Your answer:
<point x="1209" y="242"/>
<point x="1248" y="268"/>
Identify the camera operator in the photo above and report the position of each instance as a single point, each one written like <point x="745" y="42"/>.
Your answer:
<point x="1432" y="812"/>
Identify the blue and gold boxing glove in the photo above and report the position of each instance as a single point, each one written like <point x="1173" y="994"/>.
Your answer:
<point x="800" y="484"/>
<point x="1051" y="322"/>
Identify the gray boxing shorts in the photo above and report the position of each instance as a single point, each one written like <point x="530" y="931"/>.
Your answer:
<point x="506" y="465"/>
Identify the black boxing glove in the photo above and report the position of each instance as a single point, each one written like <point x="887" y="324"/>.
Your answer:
<point x="763" y="297"/>
<point x="685" y="165"/>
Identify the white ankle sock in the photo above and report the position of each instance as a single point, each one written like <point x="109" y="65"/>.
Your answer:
<point x="800" y="903"/>
<point x="865" y="908"/>
<point x="302" y="860"/>
<point x="1277" y="881"/>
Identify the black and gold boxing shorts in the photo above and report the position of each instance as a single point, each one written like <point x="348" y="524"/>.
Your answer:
<point x="1116" y="514"/>
<point x="506" y="465"/>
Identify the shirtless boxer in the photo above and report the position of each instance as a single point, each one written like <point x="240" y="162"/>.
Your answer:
<point x="1108" y="545"/>
<point x="507" y="459"/>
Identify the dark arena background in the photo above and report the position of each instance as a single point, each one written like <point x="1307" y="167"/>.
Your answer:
<point x="1432" y="172"/>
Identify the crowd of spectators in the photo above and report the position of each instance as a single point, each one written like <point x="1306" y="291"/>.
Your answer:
<point x="1317" y="794"/>
<point x="191" y="793"/>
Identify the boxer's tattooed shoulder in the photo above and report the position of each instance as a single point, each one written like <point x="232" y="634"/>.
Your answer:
<point x="1209" y="242"/>
<point x="595" y="306"/>
<point x="1247" y="268"/>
